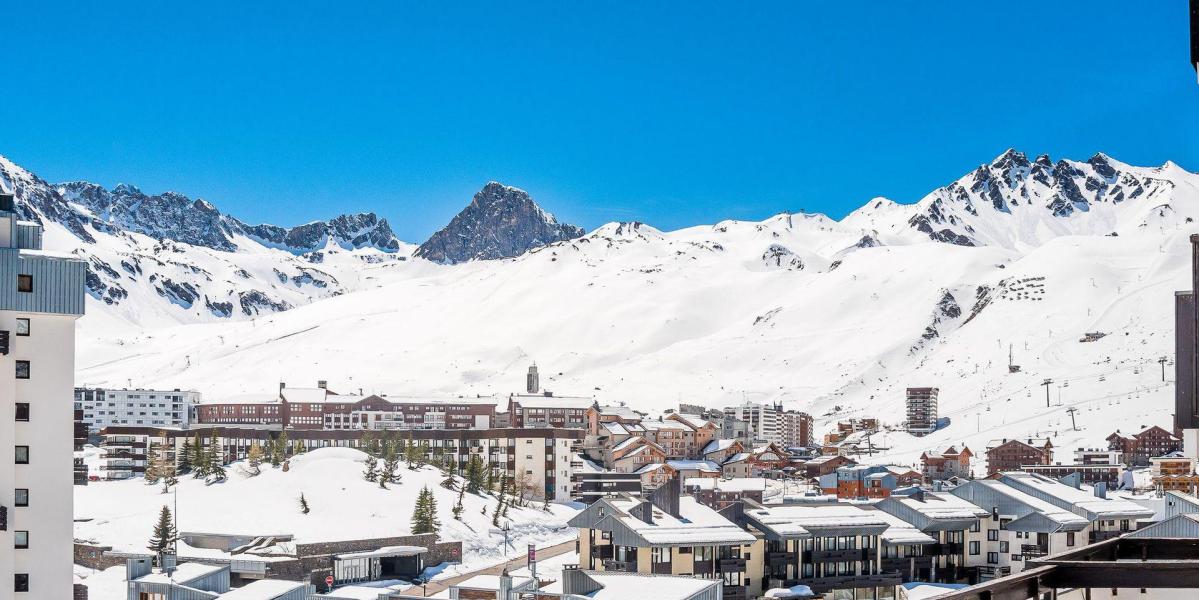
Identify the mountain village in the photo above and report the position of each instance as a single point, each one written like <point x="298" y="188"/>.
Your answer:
<point x="197" y="474"/>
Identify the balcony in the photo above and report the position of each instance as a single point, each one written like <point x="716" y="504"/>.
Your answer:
<point x="622" y="566"/>
<point x="734" y="592"/>
<point x="821" y="585"/>
<point x="945" y="549"/>
<point x="730" y="565"/>
<point x="836" y="555"/>
<point x="1098" y="536"/>
<point x="780" y="558"/>
<point x="1033" y="550"/>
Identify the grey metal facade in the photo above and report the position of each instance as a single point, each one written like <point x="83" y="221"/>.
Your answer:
<point x="57" y="283"/>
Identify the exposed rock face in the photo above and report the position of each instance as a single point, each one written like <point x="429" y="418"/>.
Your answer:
<point x="500" y="222"/>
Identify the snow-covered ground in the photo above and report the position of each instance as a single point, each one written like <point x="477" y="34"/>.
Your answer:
<point x="342" y="504"/>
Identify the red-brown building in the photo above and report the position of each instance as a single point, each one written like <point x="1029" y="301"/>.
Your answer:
<point x="1010" y="455"/>
<point x="1138" y="448"/>
<point x="946" y="463"/>
<point x="546" y="410"/>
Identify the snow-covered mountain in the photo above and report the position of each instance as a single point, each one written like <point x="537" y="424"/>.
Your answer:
<point x="499" y="222"/>
<point x="833" y="317"/>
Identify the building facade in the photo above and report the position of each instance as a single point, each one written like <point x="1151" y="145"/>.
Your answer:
<point x="922" y="410"/>
<point x="753" y="422"/>
<point x="537" y="460"/>
<point x="1010" y="455"/>
<point x="41" y="296"/>
<point x="156" y="408"/>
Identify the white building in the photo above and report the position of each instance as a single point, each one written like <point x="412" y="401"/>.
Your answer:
<point x="41" y="295"/>
<point x="105" y="407"/>
<point x="770" y="423"/>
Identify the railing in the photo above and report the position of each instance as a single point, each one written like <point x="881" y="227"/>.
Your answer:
<point x="821" y="585"/>
<point x="774" y="558"/>
<point x="1033" y="550"/>
<point x="734" y="592"/>
<point x="836" y="555"/>
<point x="623" y="566"/>
<point x="730" y="565"/>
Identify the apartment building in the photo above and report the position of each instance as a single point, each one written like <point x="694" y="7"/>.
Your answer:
<point x="41" y="296"/>
<point x="1174" y="472"/>
<point x="1138" y="448"/>
<point x="1010" y="455"/>
<point x="321" y="408"/>
<point x="665" y="534"/>
<point x="538" y="460"/>
<point x="947" y="519"/>
<point x="547" y="410"/>
<point x="831" y="548"/>
<point x="922" y="410"/>
<point x="945" y="464"/>
<point x="859" y="481"/>
<point x="769" y="423"/>
<point x="103" y="407"/>
<point x="1034" y="516"/>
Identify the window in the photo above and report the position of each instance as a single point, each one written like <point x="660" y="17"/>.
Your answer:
<point x="1069" y="538"/>
<point x="992" y="558"/>
<point x="22" y="327"/>
<point x="1003" y="547"/>
<point x="20" y="582"/>
<point x="992" y="535"/>
<point x="974" y="548"/>
<point x="25" y="283"/>
<point x="22" y="369"/>
<point x="659" y="555"/>
<point x="977" y="526"/>
<point x="22" y="411"/>
<point x="22" y="455"/>
<point x="20" y="540"/>
<point x="21" y="497"/>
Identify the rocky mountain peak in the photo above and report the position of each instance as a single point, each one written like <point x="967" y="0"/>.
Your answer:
<point x="500" y="222"/>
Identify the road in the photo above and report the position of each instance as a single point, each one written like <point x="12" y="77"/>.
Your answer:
<point x="512" y="565"/>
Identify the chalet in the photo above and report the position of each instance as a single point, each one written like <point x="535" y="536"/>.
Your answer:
<point x="943" y="464"/>
<point x="823" y="465"/>
<point x="1010" y="455"/>
<point x="634" y="453"/>
<point x="947" y="519"/>
<point x="859" y="481"/>
<point x="547" y="410"/>
<point x="599" y="415"/>
<point x="1138" y="448"/>
<point x="655" y="475"/>
<point x="720" y="493"/>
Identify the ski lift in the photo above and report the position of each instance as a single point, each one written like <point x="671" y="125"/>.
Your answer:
<point x="1102" y="378"/>
<point x="1066" y="383"/>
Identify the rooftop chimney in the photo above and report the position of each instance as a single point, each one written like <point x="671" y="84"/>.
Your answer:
<point x="322" y="384"/>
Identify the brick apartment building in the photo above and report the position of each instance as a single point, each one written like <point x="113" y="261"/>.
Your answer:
<point x="1010" y="455"/>
<point x="946" y="463"/>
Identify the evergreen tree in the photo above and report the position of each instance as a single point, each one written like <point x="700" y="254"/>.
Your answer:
<point x="495" y="513"/>
<point x="303" y="504"/>
<point x="164" y="532"/>
<point x="422" y="455"/>
<point x="412" y="455"/>
<point x="490" y="477"/>
<point x="458" y="508"/>
<point x="153" y="465"/>
<point x="272" y="453"/>
<point x="474" y="474"/>
<point x="298" y="448"/>
<point x="505" y="483"/>
<point x="254" y="458"/>
<point x="367" y="442"/>
<point x="546" y="504"/>
<point x="282" y="446"/>
<point x="166" y="469"/>
<point x="390" y="472"/>
<point x="371" y="472"/>
<point x="201" y="461"/>
<point x="216" y="459"/>
<point x="448" y="482"/>
<point x="184" y="461"/>
<point x="424" y="518"/>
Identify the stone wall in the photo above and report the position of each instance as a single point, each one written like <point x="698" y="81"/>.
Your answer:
<point x="93" y="556"/>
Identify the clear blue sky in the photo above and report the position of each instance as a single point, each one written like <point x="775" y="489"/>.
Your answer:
<point x="671" y="113"/>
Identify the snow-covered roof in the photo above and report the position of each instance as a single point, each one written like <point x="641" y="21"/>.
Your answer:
<point x="623" y="586"/>
<point x="386" y="551"/>
<point x="820" y="460"/>
<point x="900" y="532"/>
<point x="1078" y="501"/>
<point x="1009" y="500"/>
<point x="738" y="457"/>
<point x="490" y="582"/>
<point x="717" y="446"/>
<point x="696" y="524"/>
<point x="623" y="412"/>
<point x="615" y="428"/>
<point x="744" y="484"/>
<point x="795" y="591"/>
<point x="922" y="590"/>
<point x="704" y="466"/>
<point x="307" y="395"/>
<point x="553" y="402"/>
<point x="650" y="468"/>
<point x="695" y="421"/>
<point x="184" y="573"/>
<point x="667" y="424"/>
<point x="263" y="589"/>
<point x="825" y="518"/>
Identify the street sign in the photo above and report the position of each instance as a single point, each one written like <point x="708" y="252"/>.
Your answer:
<point x="532" y="553"/>
<point x="329" y="581"/>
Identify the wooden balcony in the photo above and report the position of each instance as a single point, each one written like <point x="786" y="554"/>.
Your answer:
<point x="730" y="565"/>
<point x="1095" y="537"/>
<point x="836" y="555"/>
<point x="622" y="566"/>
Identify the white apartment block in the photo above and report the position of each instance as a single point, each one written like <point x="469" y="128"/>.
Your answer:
<point x="106" y="407"/>
<point x="770" y="423"/>
<point x="41" y="295"/>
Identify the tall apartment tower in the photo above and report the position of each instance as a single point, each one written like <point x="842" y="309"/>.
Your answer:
<point x="41" y="295"/>
<point x="1186" y="359"/>
<point x="922" y="410"/>
<point x="532" y="381"/>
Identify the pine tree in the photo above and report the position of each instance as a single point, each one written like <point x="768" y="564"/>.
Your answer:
<point x="166" y="470"/>
<point x="216" y="459"/>
<point x="201" y="461"/>
<point x="371" y="473"/>
<point x="254" y="458"/>
<point x="366" y="442"/>
<point x="458" y="508"/>
<point x="474" y="474"/>
<point x="303" y="504"/>
<point x="490" y="477"/>
<point x="424" y="518"/>
<point x="422" y="455"/>
<point x="282" y="446"/>
<point x="411" y="455"/>
<point x="272" y="453"/>
<point x="298" y="448"/>
<point x="152" y="465"/>
<point x="164" y="532"/>
<point x="391" y="465"/>
<point x="184" y="462"/>
<point x="495" y="513"/>
<point x="448" y="482"/>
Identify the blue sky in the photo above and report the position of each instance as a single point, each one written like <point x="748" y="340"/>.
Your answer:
<point x="671" y="113"/>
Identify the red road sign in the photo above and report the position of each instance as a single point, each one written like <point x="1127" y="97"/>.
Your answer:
<point x="532" y="553"/>
<point x="329" y="581"/>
